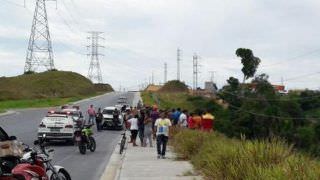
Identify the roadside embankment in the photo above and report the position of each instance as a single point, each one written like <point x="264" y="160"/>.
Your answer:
<point x="219" y="157"/>
<point x="51" y="88"/>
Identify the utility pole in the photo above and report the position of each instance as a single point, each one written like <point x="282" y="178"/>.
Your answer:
<point x="39" y="53"/>
<point x="195" y="71"/>
<point x="212" y="75"/>
<point x="178" y="63"/>
<point x="94" y="68"/>
<point x="152" y="78"/>
<point x="165" y="73"/>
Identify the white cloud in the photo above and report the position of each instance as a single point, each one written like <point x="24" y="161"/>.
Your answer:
<point x="141" y="35"/>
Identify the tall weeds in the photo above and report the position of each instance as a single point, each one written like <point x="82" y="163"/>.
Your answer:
<point x="218" y="157"/>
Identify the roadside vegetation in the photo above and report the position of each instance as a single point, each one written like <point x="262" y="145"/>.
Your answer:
<point x="255" y="110"/>
<point x="219" y="157"/>
<point x="51" y="88"/>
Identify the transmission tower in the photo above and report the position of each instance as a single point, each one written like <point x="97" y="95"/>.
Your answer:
<point x="39" y="53"/>
<point x="178" y="63"/>
<point x="165" y="73"/>
<point x="94" y="73"/>
<point x="195" y="71"/>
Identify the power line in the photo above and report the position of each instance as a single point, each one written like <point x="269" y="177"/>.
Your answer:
<point x="294" y="58"/>
<point x="13" y="3"/>
<point x="268" y="116"/>
<point x="272" y="100"/>
<point x="301" y="76"/>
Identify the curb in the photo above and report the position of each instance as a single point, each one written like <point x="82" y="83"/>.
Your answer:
<point x="113" y="168"/>
<point x="7" y="113"/>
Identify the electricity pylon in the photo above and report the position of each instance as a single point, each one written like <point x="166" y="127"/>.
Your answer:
<point x="94" y="73"/>
<point x="39" y="53"/>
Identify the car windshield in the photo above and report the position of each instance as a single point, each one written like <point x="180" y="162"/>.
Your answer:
<point x="107" y="111"/>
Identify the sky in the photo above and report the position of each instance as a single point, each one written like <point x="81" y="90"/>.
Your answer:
<point x="142" y="35"/>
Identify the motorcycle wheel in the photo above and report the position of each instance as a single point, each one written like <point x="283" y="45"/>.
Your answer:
<point x="92" y="144"/>
<point x="62" y="175"/>
<point x="82" y="148"/>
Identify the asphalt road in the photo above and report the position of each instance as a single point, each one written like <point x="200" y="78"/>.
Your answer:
<point x="24" y="125"/>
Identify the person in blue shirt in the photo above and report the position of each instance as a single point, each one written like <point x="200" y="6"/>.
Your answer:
<point x="176" y="116"/>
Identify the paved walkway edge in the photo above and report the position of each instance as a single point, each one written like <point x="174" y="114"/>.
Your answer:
<point x="113" y="168"/>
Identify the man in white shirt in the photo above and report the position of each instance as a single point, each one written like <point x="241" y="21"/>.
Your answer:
<point x="134" y="128"/>
<point x="183" y="119"/>
<point x="162" y="125"/>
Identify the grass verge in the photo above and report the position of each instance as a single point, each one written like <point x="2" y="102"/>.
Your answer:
<point x="218" y="157"/>
<point x="38" y="103"/>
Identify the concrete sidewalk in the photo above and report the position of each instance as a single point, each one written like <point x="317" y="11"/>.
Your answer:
<point x="141" y="163"/>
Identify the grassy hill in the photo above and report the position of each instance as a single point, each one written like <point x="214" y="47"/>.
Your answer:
<point x="46" y="89"/>
<point x="51" y="84"/>
<point x="174" y="86"/>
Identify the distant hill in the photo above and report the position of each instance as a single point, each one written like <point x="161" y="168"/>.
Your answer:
<point x="174" y="86"/>
<point x="48" y="84"/>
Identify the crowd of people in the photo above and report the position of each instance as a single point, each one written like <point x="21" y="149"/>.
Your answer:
<point x="150" y="123"/>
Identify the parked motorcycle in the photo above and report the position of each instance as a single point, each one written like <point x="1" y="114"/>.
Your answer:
<point x="36" y="164"/>
<point x="84" y="139"/>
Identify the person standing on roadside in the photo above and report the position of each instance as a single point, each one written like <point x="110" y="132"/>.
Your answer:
<point x="207" y="122"/>
<point x="171" y="115"/>
<point x="147" y="130"/>
<point x="99" y="118"/>
<point x="92" y="114"/>
<point x="161" y="127"/>
<point x="191" y="123"/>
<point x="176" y="116"/>
<point x="154" y="115"/>
<point x="197" y="120"/>
<point x="134" y="129"/>
<point x="183" y="121"/>
<point x="141" y="125"/>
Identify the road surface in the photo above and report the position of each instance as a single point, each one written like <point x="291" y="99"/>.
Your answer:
<point x="24" y="125"/>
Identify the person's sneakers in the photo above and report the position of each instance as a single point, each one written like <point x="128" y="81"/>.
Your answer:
<point x="163" y="157"/>
<point x="159" y="156"/>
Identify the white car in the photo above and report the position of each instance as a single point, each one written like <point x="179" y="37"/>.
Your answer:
<point x="108" y="121"/>
<point x="57" y="126"/>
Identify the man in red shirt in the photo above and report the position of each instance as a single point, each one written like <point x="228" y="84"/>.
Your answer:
<point x="92" y="114"/>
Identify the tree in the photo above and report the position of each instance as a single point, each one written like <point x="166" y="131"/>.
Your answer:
<point x="249" y="61"/>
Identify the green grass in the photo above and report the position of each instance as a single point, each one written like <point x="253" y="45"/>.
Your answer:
<point x="38" y="103"/>
<point x="218" y="157"/>
<point x="47" y="85"/>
